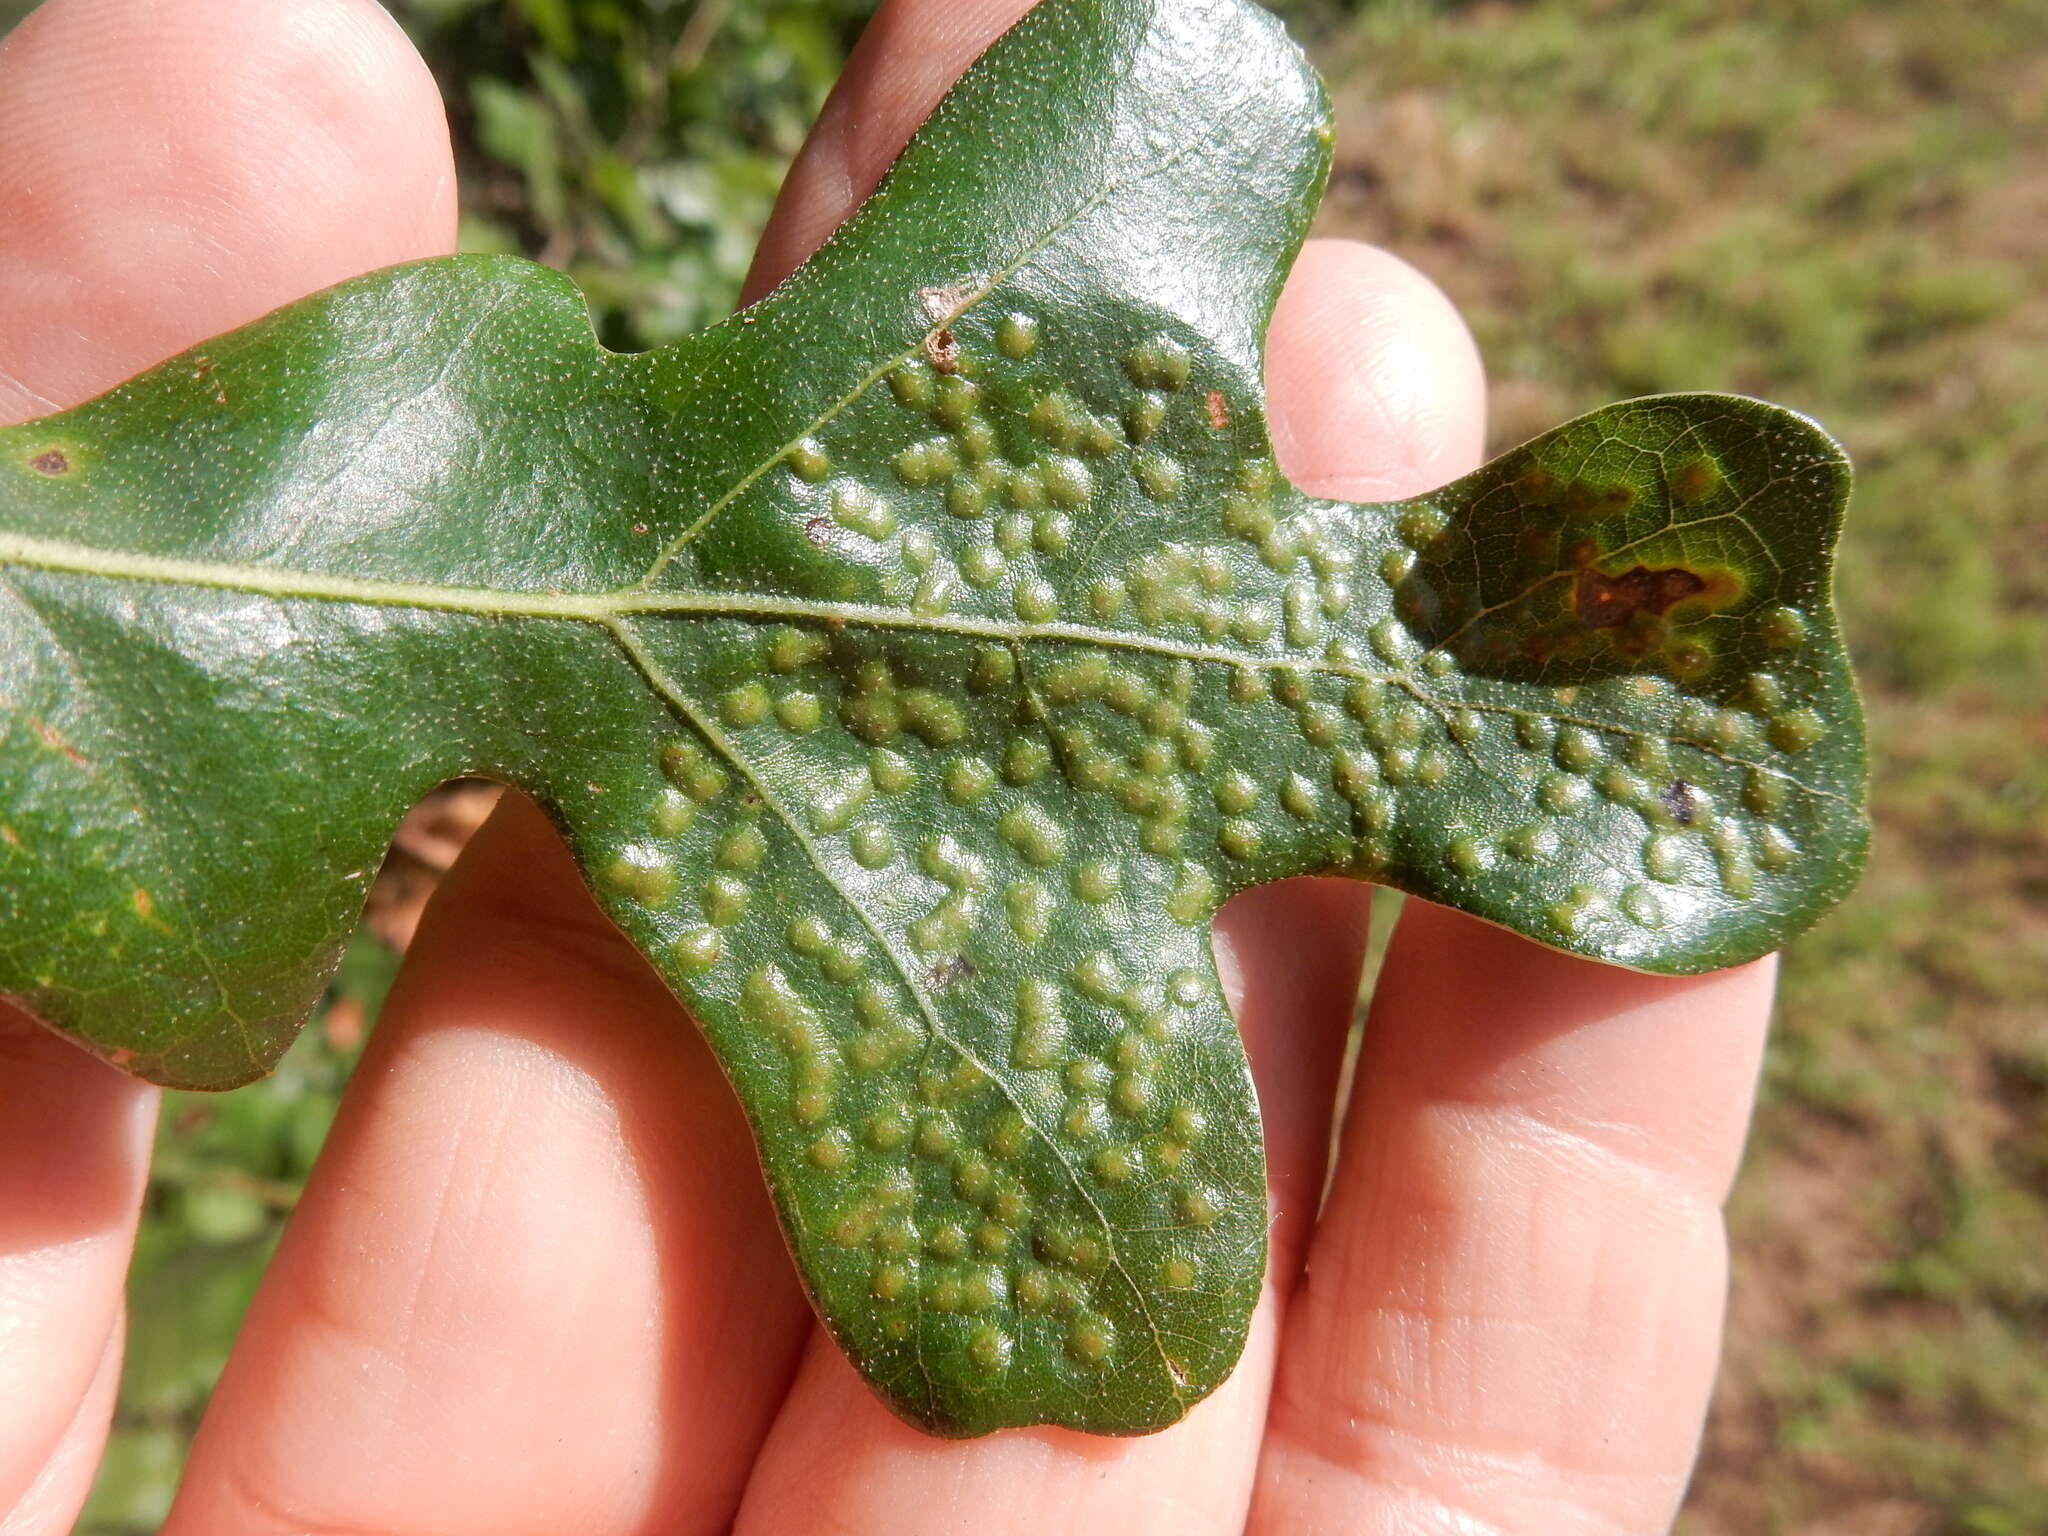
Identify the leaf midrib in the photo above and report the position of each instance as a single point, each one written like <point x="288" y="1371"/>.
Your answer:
<point x="609" y="608"/>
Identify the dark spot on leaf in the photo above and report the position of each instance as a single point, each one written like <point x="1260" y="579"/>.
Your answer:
<point x="942" y="351"/>
<point x="52" y="738"/>
<point x="52" y="462"/>
<point x="819" y="531"/>
<point x="1695" y="481"/>
<point x="145" y="908"/>
<point x="950" y="972"/>
<point x="639" y="527"/>
<point x="202" y="371"/>
<point x="1682" y="801"/>
<point x="1604" y="601"/>
<point x="1219" y="413"/>
<point x="1584" y="499"/>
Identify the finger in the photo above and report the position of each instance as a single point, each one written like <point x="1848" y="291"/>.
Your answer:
<point x="74" y="1155"/>
<point x="1376" y="387"/>
<point x="907" y="58"/>
<point x="175" y="168"/>
<point x="51" y="1503"/>
<point x="534" y="1284"/>
<point x="1376" y="393"/>
<point x="1513" y="1302"/>
<point x="131" y="224"/>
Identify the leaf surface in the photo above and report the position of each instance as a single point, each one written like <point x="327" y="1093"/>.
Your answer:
<point x="914" y="662"/>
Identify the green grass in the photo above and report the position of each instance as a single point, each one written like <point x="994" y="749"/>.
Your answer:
<point x="1843" y="207"/>
<point x="1840" y="205"/>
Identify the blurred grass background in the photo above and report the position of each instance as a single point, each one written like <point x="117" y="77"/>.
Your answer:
<point x="1842" y="204"/>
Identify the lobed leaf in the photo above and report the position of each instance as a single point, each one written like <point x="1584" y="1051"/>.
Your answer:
<point x="914" y="662"/>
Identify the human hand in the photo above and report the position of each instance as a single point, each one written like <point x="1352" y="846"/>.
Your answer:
<point x="535" y="1283"/>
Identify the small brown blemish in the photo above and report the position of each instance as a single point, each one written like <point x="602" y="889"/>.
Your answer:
<point x="639" y="527"/>
<point x="145" y="909"/>
<point x="943" y="302"/>
<point x="819" y="531"/>
<point x="1695" y="481"/>
<point x="1584" y="499"/>
<point x="9" y="836"/>
<point x="1604" y="601"/>
<point x="1682" y="801"/>
<point x="942" y="305"/>
<point x="54" y="740"/>
<point x="203" y="371"/>
<point x="120" y="1056"/>
<point x="950" y="972"/>
<point x="52" y="461"/>
<point x="1219" y="412"/>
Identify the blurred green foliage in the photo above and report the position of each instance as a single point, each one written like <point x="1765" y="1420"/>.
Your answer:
<point x="1838" y="203"/>
<point x="638" y="146"/>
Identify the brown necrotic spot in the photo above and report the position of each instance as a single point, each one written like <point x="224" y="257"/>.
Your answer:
<point x="1604" y="601"/>
<point x="54" y="739"/>
<point x="949" y="972"/>
<point x="819" y="531"/>
<point x="1582" y="498"/>
<point x="1682" y="801"/>
<point x="942" y="350"/>
<point x="1695" y="481"/>
<point x="51" y="461"/>
<point x="1219" y="412"/>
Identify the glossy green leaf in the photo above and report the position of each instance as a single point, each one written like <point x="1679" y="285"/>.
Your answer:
<point x="915" y="662"/>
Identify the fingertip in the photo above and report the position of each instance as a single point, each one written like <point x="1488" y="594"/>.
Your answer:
<point x="1376" y="384"/>
<point x="908" y="58"/>
<point x="1503" y="1018"/>
<point x="74" y="1156"/>
<point x="172" y="168"/>
<point x="1289" y="955"/>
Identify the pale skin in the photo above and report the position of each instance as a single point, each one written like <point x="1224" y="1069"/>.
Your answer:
<point x="535" y="1284"/>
